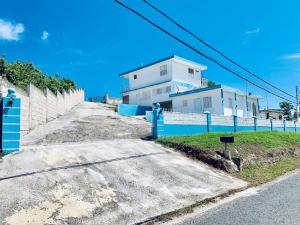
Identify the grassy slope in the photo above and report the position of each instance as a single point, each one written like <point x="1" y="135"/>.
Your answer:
<point x="260" y="174"/>
<point x="249" y="143"/>
<point x="245" y="142"/>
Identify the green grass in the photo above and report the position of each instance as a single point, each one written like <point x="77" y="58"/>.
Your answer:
<point x="245" y="142"/>
<point x="260" y="174"/>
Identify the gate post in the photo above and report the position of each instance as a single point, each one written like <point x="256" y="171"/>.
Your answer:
<point x="208" y="121"/>
<point x="284" y="125"/>
<point x="271" y="123"/>
<point x="156" y="112"/>
<point x="235" y="123"/>
<point x="255" y="123"/>
<point x="10" y="122"/>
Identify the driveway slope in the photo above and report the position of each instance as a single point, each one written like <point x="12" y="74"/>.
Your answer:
<point x="117" y="181"/>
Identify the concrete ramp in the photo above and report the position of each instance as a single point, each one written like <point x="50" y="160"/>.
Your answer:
<point x="116" y="181"/>
<point x="89" y="122"/>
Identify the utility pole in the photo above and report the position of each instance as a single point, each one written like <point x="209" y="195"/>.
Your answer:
<point x="297" y="98"/>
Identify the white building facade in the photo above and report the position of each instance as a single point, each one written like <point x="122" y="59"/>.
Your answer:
<point x="177" y="84"/>
<point x="218" y="100"/>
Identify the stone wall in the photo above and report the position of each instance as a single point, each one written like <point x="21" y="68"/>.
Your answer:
<point x="40" y="106"/>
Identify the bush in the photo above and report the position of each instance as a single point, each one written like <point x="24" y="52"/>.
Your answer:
<point x="22" y="74"/>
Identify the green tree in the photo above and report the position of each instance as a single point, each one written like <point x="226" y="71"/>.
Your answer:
<point x="211" y="83"/>
<point x="287" y="109"/>
<point x="2" y="65"/>
<point x="22" y="74"/>
<point x="295" y="115"/>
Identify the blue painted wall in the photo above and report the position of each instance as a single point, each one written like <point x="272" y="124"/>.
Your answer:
<point x="133" y="110"/>
<point x="160" y="129"/>
<point x="179" y="130"/>
<point x="10" y="125"/>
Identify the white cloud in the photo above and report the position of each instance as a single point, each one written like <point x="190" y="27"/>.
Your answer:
<point x="10" y="31"/>
<point x="254" y="31"/>
<point x="291" y="56"/>
<point x="45" y="35"/>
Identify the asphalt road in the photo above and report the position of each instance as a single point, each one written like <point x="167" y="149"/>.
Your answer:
<point x="277" y="203"/>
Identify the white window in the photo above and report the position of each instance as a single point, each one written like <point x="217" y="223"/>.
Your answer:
<point x="191" y="72"/>
<point x="184" y="103"/>
<point x="158" y="91"/>
<point x="163" y="70"/>
<point x="207" y="102"/>
<point x="168" y="89"/>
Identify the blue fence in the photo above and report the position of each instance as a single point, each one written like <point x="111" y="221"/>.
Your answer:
<point x="133" y="110"/>
<point x="180" y="124"/>
<point x="10" y="123"/>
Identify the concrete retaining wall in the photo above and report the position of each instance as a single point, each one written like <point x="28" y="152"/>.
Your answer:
<point x="52" y="111"/>
<point x="180" y="124"/>
<point x="37" y="107"/>
<point x="40" y="106"/>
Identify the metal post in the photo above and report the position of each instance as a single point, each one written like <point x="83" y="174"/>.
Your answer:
<point x="297" y="98"/>
<point x="235" y="123"/>
<point x="208" y="121"/>
<point x="271" y="122"/>
<point x="155" y="118"/>
<point x="255" y="123"/>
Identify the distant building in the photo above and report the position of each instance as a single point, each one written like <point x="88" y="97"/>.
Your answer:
<point x="177" y="84"/>
<point x="106" y="99"/>
<point x="111" y="100"/>
<point x="276" y="114"/>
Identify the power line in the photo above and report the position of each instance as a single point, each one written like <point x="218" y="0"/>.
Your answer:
<point x="213" y="48"/>
<point x="198" y="51"/>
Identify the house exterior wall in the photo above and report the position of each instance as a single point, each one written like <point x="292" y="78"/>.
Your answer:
<point x="143" y="89"/>
<point x="180" y="73"/>
<point x="191" y="103"/>
<point x="266" y="114"/>
<point x="149" y="95"/>
<point x="176" y="70"/>
<point x="150" y="86"/>
<point x="149" y="76"/>
<point x="233" y="104"/>
<point x="240" y="105"/>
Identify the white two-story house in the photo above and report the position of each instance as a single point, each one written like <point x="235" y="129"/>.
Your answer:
<point x="176" y="83"/>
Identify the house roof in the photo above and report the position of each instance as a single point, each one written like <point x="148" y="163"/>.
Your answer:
<point x="225" y="88"/>
<point x="162" y="60"/>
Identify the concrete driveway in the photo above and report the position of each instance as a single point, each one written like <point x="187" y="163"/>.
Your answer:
<point x="117" y="181"/>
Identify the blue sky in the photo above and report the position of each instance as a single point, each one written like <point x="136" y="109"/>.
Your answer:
<point x="93" y="41"/>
